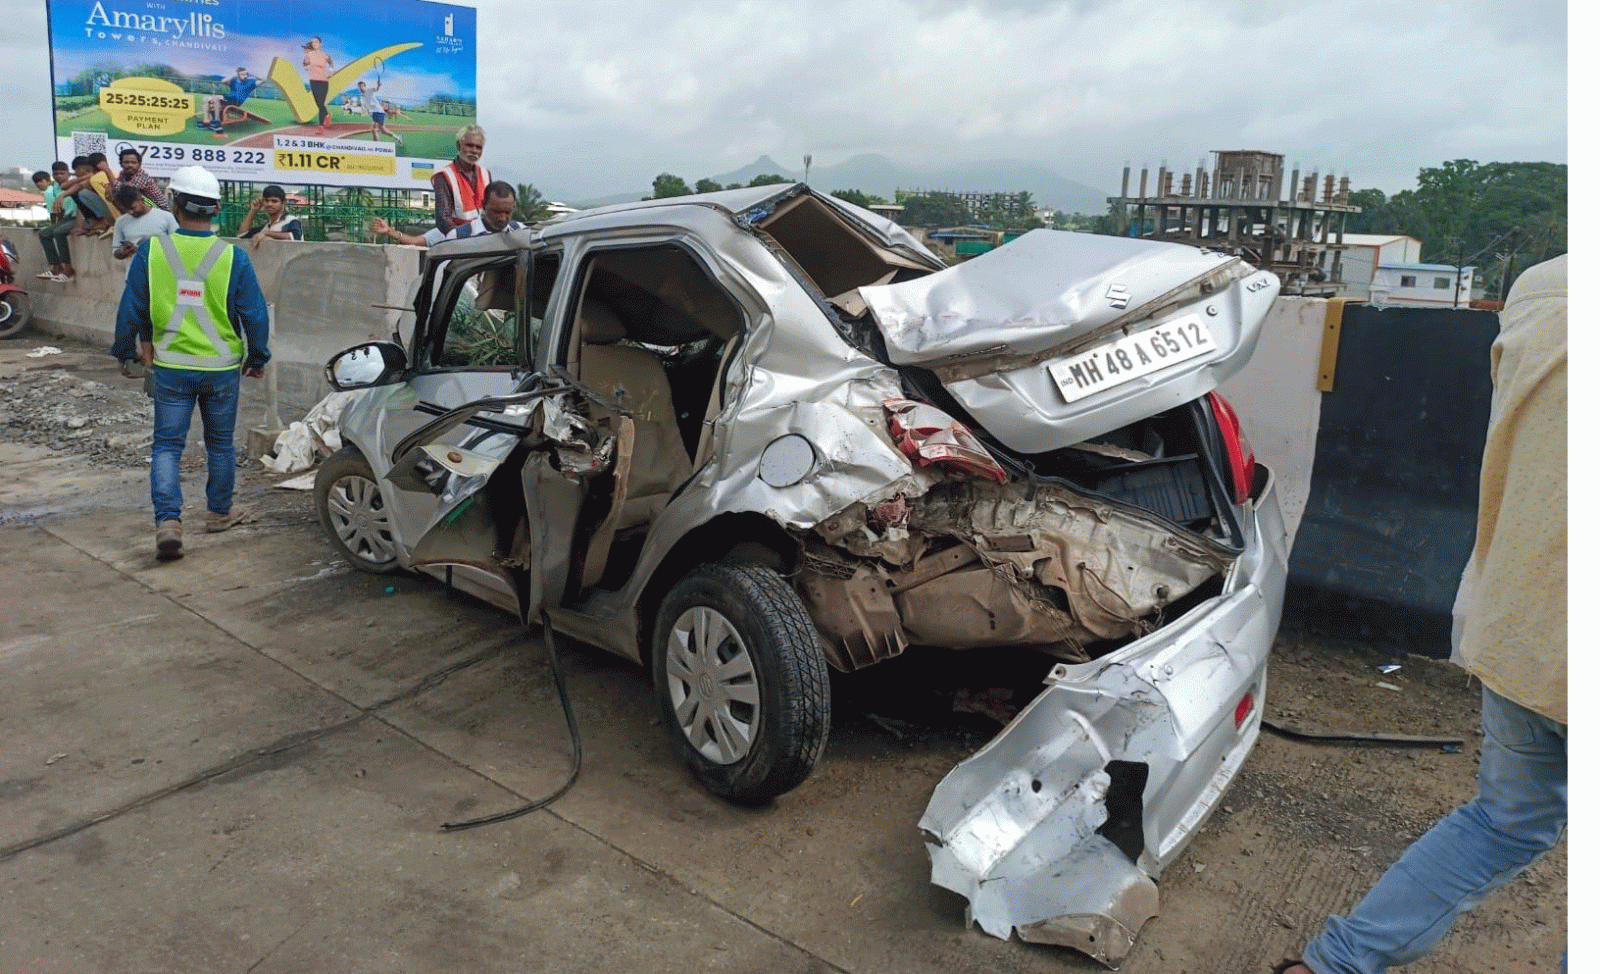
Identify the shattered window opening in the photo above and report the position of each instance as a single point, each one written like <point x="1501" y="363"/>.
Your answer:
<point x="649" y="333"/>
<point x="474" y="322"/>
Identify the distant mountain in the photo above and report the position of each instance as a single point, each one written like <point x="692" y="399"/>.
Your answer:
<point x="763" y="166"/>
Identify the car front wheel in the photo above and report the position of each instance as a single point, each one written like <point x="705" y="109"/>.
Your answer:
<point x="740" y="681"/>
<point x="353" y="514"/>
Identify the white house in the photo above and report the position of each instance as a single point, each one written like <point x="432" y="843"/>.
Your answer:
<point x="1437" y="285"/>
<point x="1367" y="252"/>
<point x="24" y="214"/>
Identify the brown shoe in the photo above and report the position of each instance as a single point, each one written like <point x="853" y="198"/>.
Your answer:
<point x="169" y="540"/>
<point x="222" y="522"/>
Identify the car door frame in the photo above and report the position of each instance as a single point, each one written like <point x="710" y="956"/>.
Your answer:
<point x="427" y="405"/>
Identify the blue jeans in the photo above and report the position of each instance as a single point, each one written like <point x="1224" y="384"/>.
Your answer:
<point x="176" y="393"/>
<point x="1517" y="816"/>
<point x="91" y="204"/>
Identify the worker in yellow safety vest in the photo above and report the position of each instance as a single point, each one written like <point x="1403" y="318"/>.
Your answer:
<point x="193" y="313"/>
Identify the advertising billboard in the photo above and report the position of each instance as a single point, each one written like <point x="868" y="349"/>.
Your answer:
<point x="331" y="92"/>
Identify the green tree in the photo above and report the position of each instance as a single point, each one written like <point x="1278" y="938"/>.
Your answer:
<point x="1374" y="216"/>
<point x="1024" y="211"/>
<point x="357" y="196"/>
<point x="531" y="206"/>
<point x="709" y="186"/>
<point x="935" y="210"/>
<point x="859" y="198"/>
<point x="769" y="180"/>
<point x="667" y="186"/>
<point x="1087" y="222"/>
<point x="1500" y="216"/>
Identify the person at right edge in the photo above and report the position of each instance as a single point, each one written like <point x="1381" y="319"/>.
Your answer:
<point x="1511" y="633"/>
<point x="193" y="312"/>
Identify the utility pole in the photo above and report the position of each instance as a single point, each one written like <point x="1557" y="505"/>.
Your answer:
<point x="807" y="158"/>
<point x="1461" y="260"/>
<point x="1505" y="275"/>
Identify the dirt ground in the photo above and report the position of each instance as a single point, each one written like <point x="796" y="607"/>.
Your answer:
<point x="1306" y="828"/>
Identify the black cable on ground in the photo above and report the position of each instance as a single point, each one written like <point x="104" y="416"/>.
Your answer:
<point x="572" y="734"/>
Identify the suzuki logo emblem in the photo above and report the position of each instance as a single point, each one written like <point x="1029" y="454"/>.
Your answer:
<point x="1118" y="296"/>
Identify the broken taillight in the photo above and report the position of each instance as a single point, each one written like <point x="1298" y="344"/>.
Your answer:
<point x="1241" y="459"/>
<point x="1242" y="710"/>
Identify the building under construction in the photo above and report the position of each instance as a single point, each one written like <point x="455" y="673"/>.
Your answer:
<point x="1239" y="207"/>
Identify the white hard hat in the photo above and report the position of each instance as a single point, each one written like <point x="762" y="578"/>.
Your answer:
<point x="195" y="181"/>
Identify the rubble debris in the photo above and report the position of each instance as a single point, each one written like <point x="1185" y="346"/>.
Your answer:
<point x="994" y="703"/>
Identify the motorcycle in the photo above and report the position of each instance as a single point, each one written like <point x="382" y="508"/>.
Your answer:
<point x="15" y="311"/>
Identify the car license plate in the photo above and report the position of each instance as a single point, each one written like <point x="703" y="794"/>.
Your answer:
<point x="1131" y="356"/>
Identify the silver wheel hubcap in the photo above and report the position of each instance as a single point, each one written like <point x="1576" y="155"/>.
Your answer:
<point x="712" y="684"/>
<point x="359" y="519"/>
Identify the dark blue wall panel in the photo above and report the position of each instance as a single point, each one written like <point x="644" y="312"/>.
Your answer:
<point x="1394" y="487"/>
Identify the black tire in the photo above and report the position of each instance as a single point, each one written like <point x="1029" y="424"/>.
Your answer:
<point x="758" y="731"/>
<point x="352" y="513"/>
<point x="15" y="313"/>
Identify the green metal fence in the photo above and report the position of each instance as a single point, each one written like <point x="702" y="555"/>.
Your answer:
<point x="333" y="213"/>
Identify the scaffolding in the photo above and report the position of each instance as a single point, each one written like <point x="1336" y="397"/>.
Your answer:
<point x="1238" y="206"/>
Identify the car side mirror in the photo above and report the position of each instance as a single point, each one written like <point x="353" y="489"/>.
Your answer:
<point x="366" y="365"/>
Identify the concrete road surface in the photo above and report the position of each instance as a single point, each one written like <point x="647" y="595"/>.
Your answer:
<point x="239" y="761"/>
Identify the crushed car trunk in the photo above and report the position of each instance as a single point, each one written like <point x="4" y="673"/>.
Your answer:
<point x="1039" y="560"/>
<point x="1057" y="338"/>
<point x="975" y="564"/>
<point x="1082" y="505"/>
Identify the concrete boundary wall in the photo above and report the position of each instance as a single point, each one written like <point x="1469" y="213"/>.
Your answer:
<point x="322" y="297"/>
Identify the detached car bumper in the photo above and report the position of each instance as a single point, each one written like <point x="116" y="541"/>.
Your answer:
<point x="1059" y="827"/>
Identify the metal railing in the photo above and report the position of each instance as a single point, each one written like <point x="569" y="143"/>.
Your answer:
<point x="332" y="213"/>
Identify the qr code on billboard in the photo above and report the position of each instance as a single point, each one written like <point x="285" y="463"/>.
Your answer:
<point x="85" y="143"/>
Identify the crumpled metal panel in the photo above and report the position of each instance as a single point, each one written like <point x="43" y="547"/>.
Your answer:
<point x="1112" y="563"/>
<point x="1037" y="291"/>
<point x="991" y="327"/>
<point x="1020" y="829"/>
<point x="1040" y="565"/>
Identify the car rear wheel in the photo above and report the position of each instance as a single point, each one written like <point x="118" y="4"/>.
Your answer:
<point x="352" y="512"/>
<point x="15" y="312"/>
<point x="740" y="681"/>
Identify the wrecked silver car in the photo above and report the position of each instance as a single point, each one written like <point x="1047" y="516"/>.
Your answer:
<point x="745" y="436"/>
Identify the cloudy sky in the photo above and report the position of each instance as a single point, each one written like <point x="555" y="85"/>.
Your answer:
<point x="597" y="97"/>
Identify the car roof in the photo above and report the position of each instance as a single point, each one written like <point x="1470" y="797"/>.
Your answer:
<point x="751" y="200"/>
<point x="732" y="200"/>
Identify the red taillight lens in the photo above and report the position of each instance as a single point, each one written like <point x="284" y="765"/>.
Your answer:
<point x="1246" y="704"/>
<point x="1241" y="459"/>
